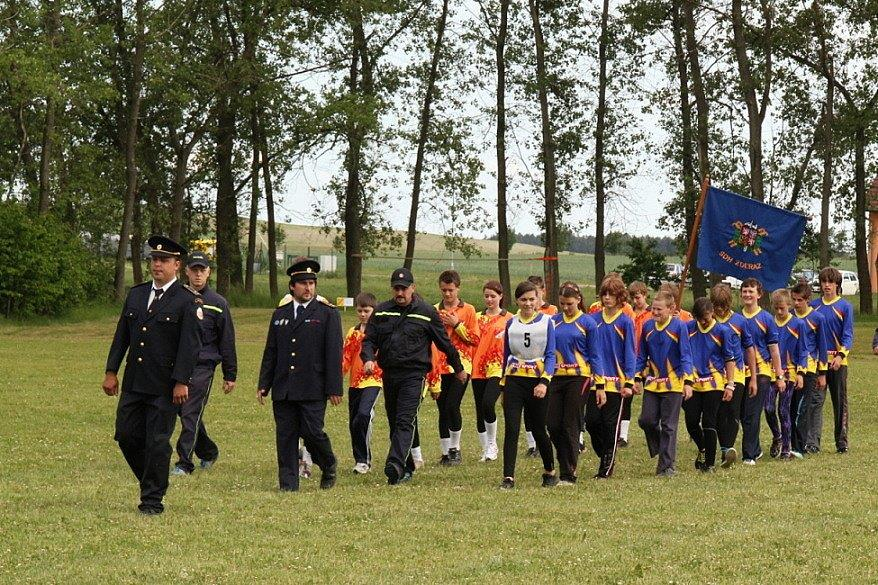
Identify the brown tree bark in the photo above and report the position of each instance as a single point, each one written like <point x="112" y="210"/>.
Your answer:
<point x="701" y="105"/>
<point x="502" y="224"/>
<point x="52" y="24"/>
<point x="227" y="254"/>
<point x="550" y="262"/>
<point x="252" y="225"/>
<point x="137" y="240"/>
<point x="269" y="206"/>
<point x="600" y="130"/>
<point x="422" y="136"/>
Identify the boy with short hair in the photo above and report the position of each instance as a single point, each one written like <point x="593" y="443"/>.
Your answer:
<point x="763" y="331"/>
<point x="794" y="362"/>
<point x="839" y="318"/>
<point x="806" y="426"/>
<point x="363" y="388"/>
<point x="642" y="312"/>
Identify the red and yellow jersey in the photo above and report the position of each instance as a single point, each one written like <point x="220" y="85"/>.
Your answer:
<point x="488" y="357"/>
<point x="548" y="309"/>
<point x="464" y="338"/>
<point x="597" y="307"/>
<point x="351" y="362"/>
<point x="639" y="320"/>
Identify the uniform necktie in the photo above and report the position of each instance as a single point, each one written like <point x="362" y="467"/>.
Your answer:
<point x="157" y="292"/>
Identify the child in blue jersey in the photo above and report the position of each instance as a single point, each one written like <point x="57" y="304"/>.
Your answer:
<point x="575" y="361"/>
<point x="839" y="318"/>
<point x="714" y="347"/>
<point x="614" y="370"/>
<point x="805" y="430"/>
<point x="664" y="375"/>
<point x="794" y="361"/>
<point x="763" y="332"/>
<point x="528" y="366"/>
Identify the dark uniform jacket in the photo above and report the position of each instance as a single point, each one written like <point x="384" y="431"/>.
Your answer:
<point x="302" y="357"/>
<point x="162" y="343"/>
<point x="217" y="334"/>
<point x="401" y="338"/>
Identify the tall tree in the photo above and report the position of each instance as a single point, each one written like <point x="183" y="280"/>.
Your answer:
<point x="599" y="161"/>
<point x="503" y="244"/>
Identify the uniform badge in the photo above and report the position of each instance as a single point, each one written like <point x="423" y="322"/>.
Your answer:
<point x="199" y="313"/>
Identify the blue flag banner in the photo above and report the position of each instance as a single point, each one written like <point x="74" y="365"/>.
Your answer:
<point x="742" y="237"/>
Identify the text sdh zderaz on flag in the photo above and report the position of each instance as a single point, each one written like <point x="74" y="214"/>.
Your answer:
<point x="743" y="237"/>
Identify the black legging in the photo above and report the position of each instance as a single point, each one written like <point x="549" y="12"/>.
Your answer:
<point x="485" y="393"/>
<point x="518" y="395"/>
<point x="728" y="420"/>
<point x="701" y="413"/>
<point x="602" y="424"/>
<point x="562" y="419"/>
<point x="448" y="403"/>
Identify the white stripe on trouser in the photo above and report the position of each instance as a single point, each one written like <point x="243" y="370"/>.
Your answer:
<point x="615" y="440"/>
<point x="369" y="436"/>
<point x="198" y="420"/>
<point x="414" y="423"/>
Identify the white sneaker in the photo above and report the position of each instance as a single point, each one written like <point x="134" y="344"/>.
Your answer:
<point x="362" y="468"/>
<point x="419" y="463"/>
<point x="749" y="462"/>
<point x="304" y="469"/>
<point x="491" y="452"/>
<point x="484" y="456"/>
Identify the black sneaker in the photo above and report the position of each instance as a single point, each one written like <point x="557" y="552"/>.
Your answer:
<point x="445" y="460"/>
<point x="699" y="461"/>
<point x="708" y="469"/>
<point x="507" y="484"/>
<point x="622" y="442"/>
<point x="532" y="452"/>
<point x="550" y="480"/>
<point x="327" y="478"/>
<point x="786" y="456"/>
<point x="392" y="474"/>
<point x="454" y="457"/>
<point x="841" y="450"/>
<point x="775" y="448"/>
<point x="406" y="478"/>
<point x="729" y="457"/>
<point x="147" y="510"/>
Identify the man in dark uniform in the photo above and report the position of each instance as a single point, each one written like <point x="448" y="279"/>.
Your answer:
<point x="217" y="346"/>
<point x="159" y="331"/>
<point x="398" y="336"/>
<point x="301" y="366"/>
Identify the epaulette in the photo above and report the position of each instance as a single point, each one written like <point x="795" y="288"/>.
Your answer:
<point x="288" y="298"/>
<point x="324" y="301"/>
<point x="192" y="290"/>
<point x="144" y="283"/>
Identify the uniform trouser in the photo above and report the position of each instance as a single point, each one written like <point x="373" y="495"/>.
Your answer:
<point x="144" y="425"/>
<point x="562" y="419"/>
<point x="486" y="391"/>
<point x="701" y="421"/>
<point x="799" y="413"/>
<point x="814" y="400"/>
<point x="361" y="411"/>
<point x="729" y="418"/>
<point x="602" y="425"/>
<point x="294" y="419"/>
<point x="448" y="404"/>
<point x="193" y="435"/>
<point x="837" y="384"/>
<point x="752" y="416"/>
<point x="402" y="398"/>
<point x="770" y="400"/>
<point x="658" y="419"/>
<point x="626" y="407"/>
<point x="518" y="396"/>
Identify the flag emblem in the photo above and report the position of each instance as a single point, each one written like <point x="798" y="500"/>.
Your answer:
<point x="748" y="236"/>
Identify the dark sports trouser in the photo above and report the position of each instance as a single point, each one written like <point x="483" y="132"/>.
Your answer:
<point x="562" y="419"/>
<point x="626" y="407"/>
<point x="772" y="416"/>
<point x="193" y="435"/>
<point x="144" y="425"/>
<point x="361" y="411"/>
<point x="729" y="417"/>
<point x="294" y="419"/>
<point x="837" y="384"/>
<point x="752" y="416"/>
<point x="799" y="413"/>
<point x="518" y="395"/>
<point x="402" y="398"/>
<point x="701" y="421"/>
<point x="602" y="425"/>
<point x="448" y="404"/>
<point x="813" y="403"/>
<point x="659" y="417"/>
<point x="485" y="392"/>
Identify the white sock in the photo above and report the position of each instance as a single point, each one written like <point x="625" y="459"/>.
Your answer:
<point x="491" y="433"/>
<point x="306" y="457"/>
<point x="581" y="437"/>
<point x="623" y="429"/>
<point x="455" y="439"/>
<point x="416" y="454"/>
<point x="483" y="440"/>
<point x="531" y="443"/>
<point x="444" y="444"/>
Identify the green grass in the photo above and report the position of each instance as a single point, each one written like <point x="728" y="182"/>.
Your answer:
<point x="67" y="498"/>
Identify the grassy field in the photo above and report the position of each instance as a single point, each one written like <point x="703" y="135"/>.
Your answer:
<point x="67" y="499"/>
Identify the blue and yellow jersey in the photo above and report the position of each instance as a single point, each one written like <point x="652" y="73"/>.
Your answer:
<point x="791" y="333"/>
<point x="574" y="344"/>
<point x="614" y="347"/>
<point x="664" y="360"/>
<point x="529" y="347"/>
<point x="816" y="343"/>
<point x="741" y="342"/>
<point x="711" y="349"/>
<point x="763" y="331"/>
<point x="838" y="315"/>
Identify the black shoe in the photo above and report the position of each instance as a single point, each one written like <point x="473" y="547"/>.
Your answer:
<point x="454" y="457"/>
<point x="775" y="448"/>
<point x="445" y="460"/>
<point x="550" y="480"/>
<point x="208" y="463"/>
<point x="392" y="474"/>
<point x="581" y="447"/>
<point x="406" y="478"/>
<point x="841" y="450"/>
<point x="146" y="510"/>
<point x="699" y="461"/>
<point x="327" y="478"/>
<point x="507" y="484"/>
<point x="786" y="456"/>
<point x="708" y="469"/>
<point x="622" y="443"/>
<point x="532" y="452"/>
<point x="289" y="489"/>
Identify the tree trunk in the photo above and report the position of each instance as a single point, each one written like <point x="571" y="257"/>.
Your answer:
<point x="422" y="137"/>
<point x="178" y="189"/>
<point x="826" y="183"/>
<point x="502" y="225"/>
<point x="860" y="233"/>
<point x="269" y="206"/>
<point x="550" y="262"/>
<point x="137" y="239"/>
<point x="600" y="130"/>
<point x="701" y="105"/>
<point x="52" y="24"/>
<point x="132" y="117"/>
<point x="227" y="255"/>
<point x="254" y="202"/>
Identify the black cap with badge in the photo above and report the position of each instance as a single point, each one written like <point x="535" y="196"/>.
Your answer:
<point x="303" y="269"/>
<point x="198" y="259"/>
<point x="165" y="247"/>
<point x="402" y="277"/>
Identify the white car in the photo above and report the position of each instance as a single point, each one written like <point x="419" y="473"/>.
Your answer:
<point x="850" y="283"/>
<point x="732" y="281"/>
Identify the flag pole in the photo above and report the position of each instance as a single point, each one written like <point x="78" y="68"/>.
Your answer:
<point x="693" y="237"/>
